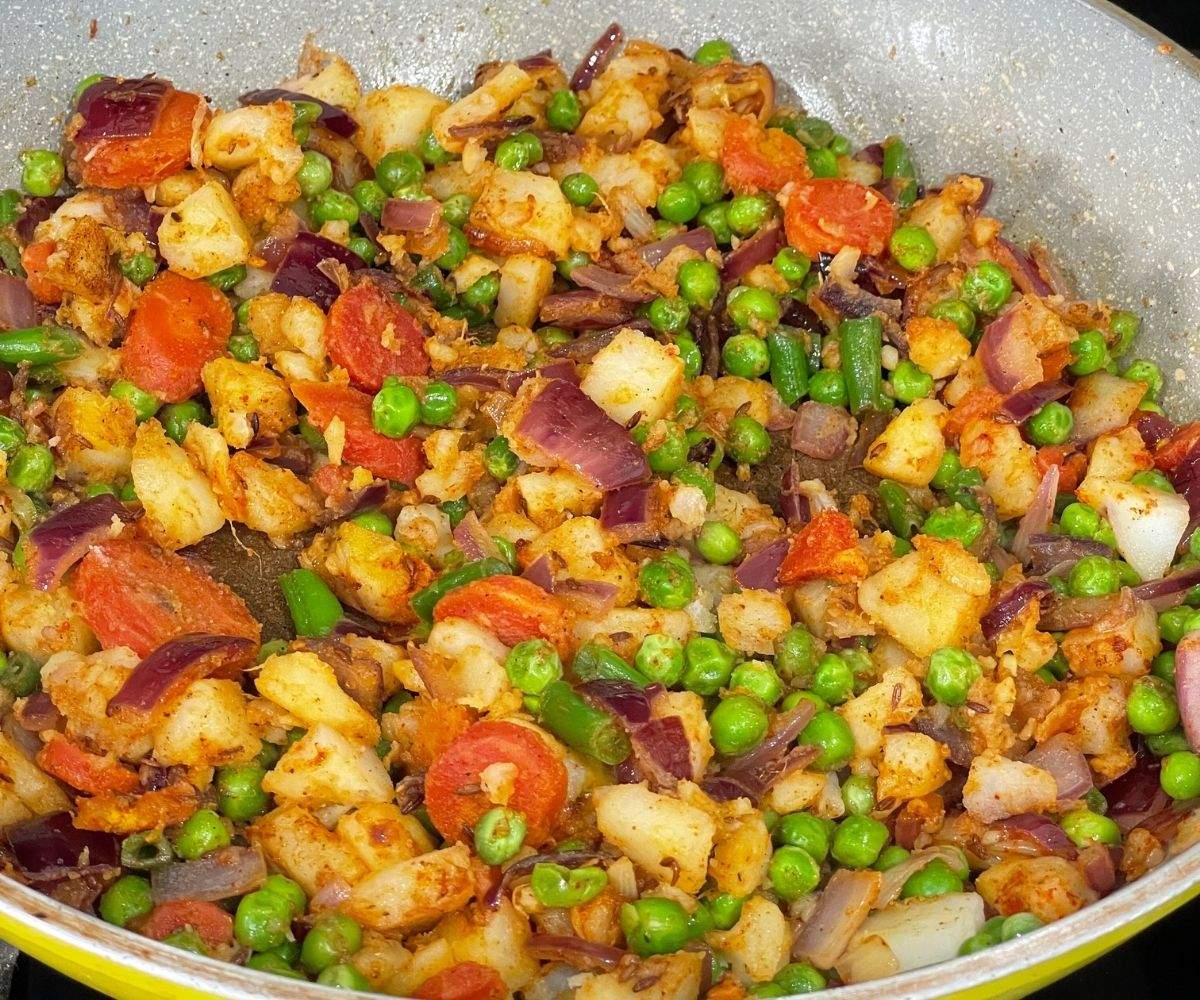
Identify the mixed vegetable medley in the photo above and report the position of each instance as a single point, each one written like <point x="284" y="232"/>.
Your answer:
<point x="724" y="563"/>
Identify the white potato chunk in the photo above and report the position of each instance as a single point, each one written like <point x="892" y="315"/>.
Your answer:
<point x="1007" y="461"/>
<point x="523" y="212"/>
<point x="936" y="345"/>
<point x="482" y="104"/>
<point x="41" y="623"/>
<point x="324" y="768"/>
<point x="759" y="944"/>
<point x="38" y="792"/>
<point x="589" y="553"/>
<point x="911" y="446"/>
<point x="668" y="977"/>
<point x="753" y="620"/>
<point x="247" y="400"/>
<point x="525" y="279"/>
<point x="1049" y="888"/>
<point x="393" y="118"/>
<point x="893" y="701"/>
<point x="204" y="233"/>
<point x="306" y="686"/>
<point x="297" y="843"/>
<point x="913" y="765"/>
<point x="383" y="835"/>
<point x="650" y="828"/>
<point x="180" y="505"/>
<point x="411" y="895"/>
<point x="635" y="374"/>
<point x="95" y="435"/>
<point x="998" y="787"/>
<point x="259" y="135"/>
<point x="208" y="727"/>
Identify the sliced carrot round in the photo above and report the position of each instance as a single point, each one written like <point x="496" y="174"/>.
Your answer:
<point x="401" y="459"/>
<point x="827" y="214"/>
<point x="372" y="336"/>
<point x="143" y="160"/>
<point x="177" y="327"/>
<point x="464" y="981"/>
<point x="512" y="608"/>
<point x="453" y="793"/>
<point x="136" y="595"/>
<point x="67" y="761"/>
<point x="761" y="159"/>
<point x="214" y="925"/>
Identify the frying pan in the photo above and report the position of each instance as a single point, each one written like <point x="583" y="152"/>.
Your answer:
<point x="1086" y="119"/>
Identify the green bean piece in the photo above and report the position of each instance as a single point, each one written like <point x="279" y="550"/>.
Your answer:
<point x="582" y="726"/>
<point x="599" y="663"/>
<point x="789" y="364"/>
<point x="39" y="345"/>
<point x="314" y="607"/>
<point x="904" y="514"/>
<point x="861" y="342"/>
<point x="424" y="600"/>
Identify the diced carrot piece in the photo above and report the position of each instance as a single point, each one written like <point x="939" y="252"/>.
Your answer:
<point x="1174" y="449"/>
<point x="123" y="814"/>
<point x="761" y="159"/>
<point x="35" y="258"/>
<point x="1072" y="465"/>
<point x="824" y="549"/>
<point x="825" y="214"/>
<point x="464" y="981"/>
<point x="67" y="761"/>
<point x="512" y="608"/>
<point x="978" y="404"/>
<point x="214" y="925"/>
<point x="372" y="336"/>
<point x="143" y="160"/>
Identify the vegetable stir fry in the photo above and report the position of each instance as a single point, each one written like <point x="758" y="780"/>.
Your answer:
<point x="722" y="562"/>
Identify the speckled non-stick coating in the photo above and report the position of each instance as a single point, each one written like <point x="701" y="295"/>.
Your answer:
<point x="1088" y="124"/>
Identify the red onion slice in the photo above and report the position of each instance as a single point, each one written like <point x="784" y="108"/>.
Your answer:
<point x="1047" y="552"/>
<point x="541" y="572"/>
<point x="577" y="952"/>
<point x="841" y="908"/>
<point x="619" y="286"/>
<point x="1099" y="868"/>
<point x="1061" y="614"/>
<point x="1153" y="427"/>
<point x="223" y="874"/>
<point x="17" y="307"/>
<point x="472" y="540"/>
<point x="34" y="212"/>
<point x="822" y="431"/>
<point x="61" y="540"/>
<point x="410" y="215"/>
<point x="584" y="309"/>
<point x="760" y="571"/>
<point x="1187" y="685"/>
<point x="121" y="109"/>
<point x="1170" y="591"/>
<point x="760" y="248"/>
<point x="628" y="512"/>
<point x="751" y="774"/>
<point x="50" y="847"/>
<point x="1020" y="406"/>
<point x="1037" y="519"/>
<point x="300" y="270"/>
<point x="591" y="598"/>
<point x="1024" y="271"/>
<point x="177" y="663"/>
<point x="566" y="426"/>
<point x="597" y="57"/>
<point x="1005" y="610"/>
<point x="699" y="239"/>
<point x="1010" y="359"/>
<point x="337" y="120"/>
<point x="1066" y="763"/>
<point x="1043" y="832"/>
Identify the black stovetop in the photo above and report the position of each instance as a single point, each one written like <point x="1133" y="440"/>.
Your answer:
<point x="1154" y="964"/>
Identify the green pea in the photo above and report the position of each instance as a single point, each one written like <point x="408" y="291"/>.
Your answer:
<point x="243" y="347"/>
<point x="240" y="796"/>
<point x="398" y="170"/>
<point x="1124" y="326"/>
<point x="910" y="382"/>
<point x="806" y="831"/>
<point x="747" y="440"/>
<point x="748" y="213"/>
<point x="828" y="731"/>
<point x="532" y="665"/>
<point x="343" y="977"/>
<point x="725" y="910"/>
<point x="274" y="963"/>
<point x="456" y="210"/>
<point x="954" y="522"/>
<point x="563" y="113"/>
<point x="1175" y="623"/>
<point x="456" y="251"/>
<point x="1051" y="424"/>
<point x="1149" y="373"/>
<point x="1093" y="576"/>
<point x="1079" y="520"/>
<point x="1180" y="775"/>
<point x="263" y="920"/>
<point x="186" y="939"/>
<point x="951" y="673"/>
<point x="654" y="925"/>
<point x="792" y="265"/>
<point x="499" y="834"/>
<point x="958" y="313"/>
<point x="482" y="292"/>
<point x="125" y="900"/>
<point x="671" y="455"/>
<point x="795" y="654"/>
<point x="1090" y="352"/>
<point x="660" y="658"/>
<point x="698" y="281"/>
<point x="31" y="468"/>
<point x="822" y="162"/>
<point x="1163" y="666"/>
<point x="793" y="873"/>
<point x="285" y="888"/>
<point x="1086" y="828"/>
<point x="143" y="404"/>
<point x="828" y="386"/>
<point x="1151" y="707"/>
<point x="679" y="202"/>
<point x="439" y="401"/>
<point x="200" y="833"/>
<point x="375" y="520"/>
<point x="986" y="287"/>
<point x="1165" y="744"/>
<point x="745" y="355"/>
<point x="858" y="841"/>
<point x="798" y="978"/>
<point x="706" y="178"/>
<point x="858" y="794"/>
<point x="708" y="664"/>
<point x="1152" y="479"/>
<point x="395" y="409"/>
<point x="738" y="724"/>
<point x="667" y="582"/>
<point x="833" y="680"/>
<point x="333" y="939"/>
<point x="715" y="218"/>
<point x="913" y="248"/>
<point x="138" y="268"/>
<point x="514" y="154"/>
<point x="1017" y="925"/>
<point x="499" y="460"/>
<point x="333" y="206"/>
<point x="315" y="174"/>
<point x="558" y="886"/>
<point x="42" y="172"/>
<point x="936" y="879"/>
<point x="580" y="189"/>
<point x="890" y="857"/>
<point x="758" y="679"/>
<point x="715" y="50"/>
<point x="431" y="150"/>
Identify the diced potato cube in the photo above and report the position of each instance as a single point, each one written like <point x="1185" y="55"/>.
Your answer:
<point x="753" y="620"/>
<point x="474" y="662"/>
<point x="1007" y="461"/>
<point x="393" y="118"/>
<point x="1049" y="888"/>
<point x="741" y="855"/>
<point x="590" y="553"/>
<point x="81" y="688"/>
<point x="42" y="623"/>
<point x="38" y="792"/>
<point x="296" y="843"/>
<point x="524" y="213"/>
<point x="913" y="765"/>
<point x="936" y="345"/>
<point x="998" y="787"/>
<point x="497" y="938"/>
<point x="204" y="233"/>
<point x="637" y="623"/>
<point x="383" y="835"/>
<point x="306" y="686"/>
<point x="893" y="701"/>
<point x="453" y="469"/>
<point x="916" y="932"/>
<point x="208" y="727"/>
<point x="525" y="279"/>
<point x="668" y="977"/>
<point x="410" y="895"/>
<point x="95" y="435"/>
<point x="759" y="944"/>
<point x="482" y="104"/>
<point x="256" y="135"/>
<point x="650" y="828"/>
<point x="929" y="598"/>
<point x="247" y="400"/>
<point x="1120" y="644"/>
<point x="633" y="374"/>
<point x="795" y="790"/>
<point x="550" y="496"/>
<point x="180" y="505"/>
<point x="324" y="768"/>
<point x="277" y="501"/>
<point x="911" y="446"/>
